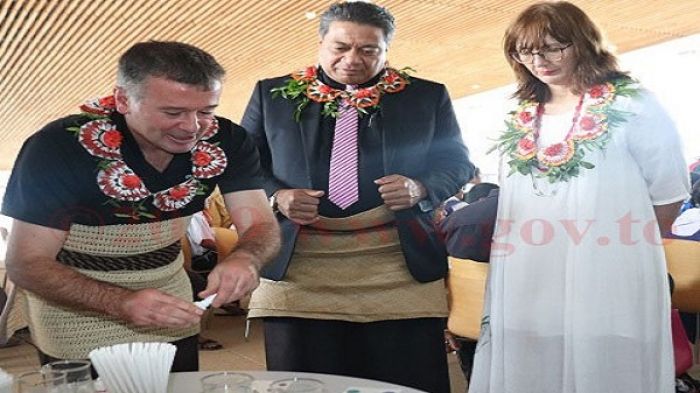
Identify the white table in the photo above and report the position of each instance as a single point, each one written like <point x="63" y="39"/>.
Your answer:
<point x="189" y="382"/>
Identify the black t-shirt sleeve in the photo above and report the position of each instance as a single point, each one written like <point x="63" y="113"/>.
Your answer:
<point x="42" y="189"/>
<point x="243" y="170"/>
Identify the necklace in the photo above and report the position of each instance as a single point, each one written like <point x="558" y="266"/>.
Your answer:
<point x="559" y="162"/>
<point x="304" y="86"/>
<point x="558" y="153"/>
<point x="101" y="138"/>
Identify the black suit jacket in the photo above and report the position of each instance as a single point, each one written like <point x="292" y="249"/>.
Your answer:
<point x="469" y="230"/>
<point x="421" y="140"/>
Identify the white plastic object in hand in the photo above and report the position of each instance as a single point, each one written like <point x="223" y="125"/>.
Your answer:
<point x="5" y="382"/>
<point x="204" y="304"/>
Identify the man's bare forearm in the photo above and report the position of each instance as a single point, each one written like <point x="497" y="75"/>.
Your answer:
<point x="261" y="240"/>
<point x="64" y="286"/>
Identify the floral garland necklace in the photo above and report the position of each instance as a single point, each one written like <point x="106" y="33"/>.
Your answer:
<point x="101" y="138"/>
<point x="559" y="162"/>
<point x="304" y="87"/>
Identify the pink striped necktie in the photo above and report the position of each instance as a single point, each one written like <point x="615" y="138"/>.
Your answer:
<point x="343" y="188"/>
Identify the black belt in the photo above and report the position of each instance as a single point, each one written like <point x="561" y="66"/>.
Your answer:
<point x="145" y="261"/>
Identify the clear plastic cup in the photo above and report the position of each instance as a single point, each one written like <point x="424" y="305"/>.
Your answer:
<point x="78" y="375"/>
<point x="297" y="385"/>
<point x="41" y="381"/>
<point x="227" y="382"/>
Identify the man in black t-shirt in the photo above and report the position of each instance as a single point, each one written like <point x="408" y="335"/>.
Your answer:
<point x="101" y="199"/>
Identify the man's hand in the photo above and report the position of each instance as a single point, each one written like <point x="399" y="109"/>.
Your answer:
<point x="400" y="192"/>
<point x="233" y="278"/>
<point x="299" y="205"/>
<point x="451" y="343"/>
<point x="154" y="308"/>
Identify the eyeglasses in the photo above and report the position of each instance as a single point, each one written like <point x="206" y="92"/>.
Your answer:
<point x="549" y="53"/>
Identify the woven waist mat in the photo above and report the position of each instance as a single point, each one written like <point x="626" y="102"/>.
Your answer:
<point x="71" y="334"/>
<point x="356" y="275"/>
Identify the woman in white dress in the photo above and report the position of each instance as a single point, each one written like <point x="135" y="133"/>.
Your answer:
<point x="591" y="170"/>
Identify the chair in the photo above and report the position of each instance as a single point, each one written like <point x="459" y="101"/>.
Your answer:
<point x="466" y="283"/>
<point x="226" y="240"/>
<point x="683" y="262"/>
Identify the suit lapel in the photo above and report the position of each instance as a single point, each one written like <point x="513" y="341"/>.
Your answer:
<point x="389" y="127"/>
<point x="309" y="125"/>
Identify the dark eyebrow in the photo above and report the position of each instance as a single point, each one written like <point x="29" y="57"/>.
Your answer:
<point x="178" y="108"/>
<point x="363" y="46"/>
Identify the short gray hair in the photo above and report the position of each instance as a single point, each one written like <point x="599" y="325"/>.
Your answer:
<point x="176" y="61"/>
<point x="361" y="13"/>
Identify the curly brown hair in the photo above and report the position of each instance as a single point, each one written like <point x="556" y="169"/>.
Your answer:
<point x="565" y="23"/>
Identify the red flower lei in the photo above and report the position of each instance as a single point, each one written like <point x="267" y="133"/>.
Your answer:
<point x="561" y="161"/>
<point x="115" y="179"/>
<point x="305" y="86"/>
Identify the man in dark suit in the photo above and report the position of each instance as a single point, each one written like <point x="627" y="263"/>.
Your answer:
<point x="356" y="155"/>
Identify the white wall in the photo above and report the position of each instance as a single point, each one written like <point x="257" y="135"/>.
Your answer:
<point x="672" y="71"/>
<point x="480" y="117"/>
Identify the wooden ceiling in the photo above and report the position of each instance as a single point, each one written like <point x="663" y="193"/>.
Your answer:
<point x="56" y="53"/>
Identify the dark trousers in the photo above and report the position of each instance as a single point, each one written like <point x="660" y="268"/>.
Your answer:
<point x="186" y="356"/>
<point x="465" y="354"/>
<point x="407" y="352"/>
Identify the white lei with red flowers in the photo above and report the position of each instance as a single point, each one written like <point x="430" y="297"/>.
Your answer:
<point x="115" y="179"/>
<point x="561" y="161"/>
